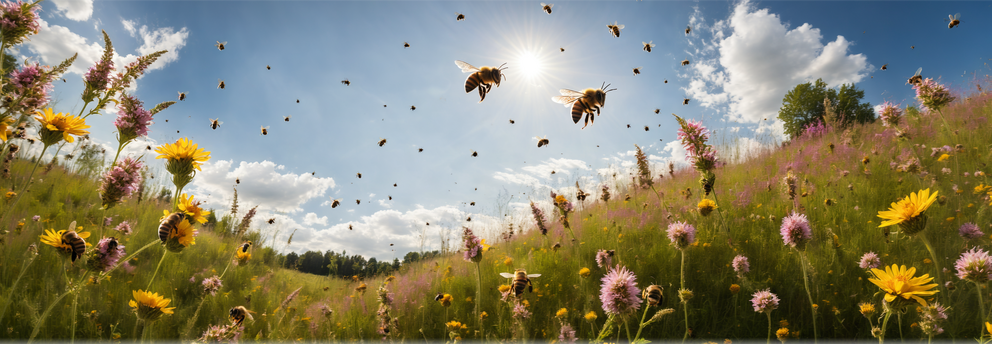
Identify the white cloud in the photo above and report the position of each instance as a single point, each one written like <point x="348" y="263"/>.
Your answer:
<point x="165" y="38"/>
<point x="752" y="59"/>
<point x="262" y="183"/>
<point x="312" y="219"/>
<point x="129" y="26"/>
<point x="78" y="10"/>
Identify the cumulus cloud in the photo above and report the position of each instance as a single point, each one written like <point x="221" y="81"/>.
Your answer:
<point x="262" y="183"/>
<point x="78" y="10"/>
<point x="312" y="219"/>
<point x="751" y="59"/>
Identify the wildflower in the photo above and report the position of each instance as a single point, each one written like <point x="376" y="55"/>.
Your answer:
<point x="242" y="256"/>
<point x="97" y="77"/>
<point x="946" y="170"/>
<point x="508" y="261"/>
<point x="32" y="85"/>
<point x="606" y="193"/>
<point x="149" y="306"/>
<point x="591" y="316"/>
<point x="789" y="182"/>
<point x="975" y="265"/>
<point x="212" y="285"/>
<point x="764" y="301"/>
<point x="561" y="313"/>
<point x="520" y="312"/>
<point x="183" y="156"/>
<point x="445" y="300"/>
<point x="106" y="255"/>
<point x="361" y="288"/>
<point x="795" y="230"/>
<point x="685" y="295"/>
<point x="898" y="282"/>
<point x="120" y="181"/>
<point x="619" y="292"/>
<point x="741" y="265"/>
<point x="706" y="206"/>
<point x="604" y="258"/>
<point x="503" y="288"/>
<point x="867" y="309"/>
<point x="932" y="95"/>
<point x="471" y="245"/>
<point x="483" y="315"/>
<point x="226" y="333"/>
<point x="326" y="311"/>
<point x="943" y="157"/>
<point x="18" y="20"/>
<point x="132" y="119"/>
<point x="645" y="179"/>
<point x="566" y="334"/>
<point x="890" y="114"/>
<point x="453" y="325"/>
<point x="181" y="236"/>
<point x="735" y="288"/>
<point x="970" y="231"/>
<point x="56" y="127"/>
<point x="869" y="260"/>
<point x="681" y="234"/>
<point x="539" y="217"/>
<point x="693" y="136"/>
<point x="124" y="228"/>
<point x="10" y="195"/>
<point x="908" y="212"/>
<point x="931" y="317"/>
<point x="584" y="272"/>
<point x="782" y="334"/>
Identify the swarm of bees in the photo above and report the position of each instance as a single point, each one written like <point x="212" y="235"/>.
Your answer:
<point x="521" y="281"/>
<point x="346" y="82"/>
<point x="614" y="29"/>
<point x="382" y="142"/>
<point x="214" y="123"/>
<point x="637" y="71"/>
<point x="169" y="224"/>
<point x="547" y="7"/>
<point x="648" y="45"/>
<point x="220" y="45"/>
<point x="953" y="20"/>
<point x="459" y="16"/>
<point x="542" y="141"/>
<point x="484" y="78"/>
<point x="182" y="96"/>
<point x="587" y="102"/>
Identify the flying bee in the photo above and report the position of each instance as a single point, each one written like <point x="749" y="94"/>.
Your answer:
<point x="547" y="7"/>
<point x="350" y="228"/>
<point x="912" y="47"/>
<point x="648" y="45"/>
<point x="666" y="81"/>
<point x="484" y="78"/>
<point x="286" y="118"/>
<point x="335" y="203"/>
<point x="541" y="142"/>
<point x="382" y="142"/>
<point x="168" y="225"/>
<point x="390" y="197"/>
<point x="358" y="201"/>
<point x="420" y="150"/>
<point x="214" y="123"/>
<point x="657" y="111"/>
<point x="413" y="107"/>
<point x="646" y="128"/>
<point x="245" y="246"/>
<point x="562" y="49"/>
<point x="553" y="172"/>
<point x="394" y="185"/>
<point x="182" y="96"/>
<point x="511" y="121"/>
<point x="685" y="62"/>
<point x="237" y="180"/>
<point x="238" y="315"/>
<point x="71" y="238"/>
<point x="297" y="101"/>
<point x="614" y="29"/>
<point x="628" y="126"/>
<point x="916" y="78"/>
<point x="346" y="82"/>
<point x="459" y="16"/>
<point x="220" y="84"/>
<point x="359" y="174"/>
<point x="556" y="246"/>
<point x="220" y="45"/>
<point x="267" y="67"/>
<point x="475" y="154"/>
<point x="654" y="295"/>
<point x="438" y="297"/>
<point x="953" y="20"/>
<point x="637" y="71"/>
<point x="885" y="66"/>
<point x="685" y="101"/>
<point x="271" y="220"/>
<point x="688" y="29"/>
<point x="406" y="45"/>
<point x="521" y="280"/>
<point x="472" y="204"/>
<point x="265" y="130"/>
<point x="587" y="102"/>
<point x="469" y="219"/>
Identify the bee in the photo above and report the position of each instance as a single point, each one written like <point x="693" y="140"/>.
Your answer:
<point x="585" y="102"/>
<point x="916" y="78"/>
<point x="912" y="47"/>
<point x="271" y="220"/>
<point x="182" y="96"/>
<point x="553" y="172"/>
<point x="666" y="81"/>
<point x="346" y="82"/>
<point x="220" y="45"/>
<point x="238" y="315"/>
<point x="648" y="45"/>
<point x="75" y="241"/>
<point x="885" y="66"/>
<point x="265" y="130"/>
<point x="521" y="280"/>
<point x="220" y="84"/>
<point x="112" y="244"/>
<point x="390" y="197"/>
<point x="562" y="49"/>
<point x="637" y="71"/>
<point x="169" y="224"/>
<point x="685" y="62"/>
<point x="646" y="128"/>
<point x="245" y="246"/>
<point x="556" y="246"/>
<point x="297" y="101"/>
<point x="237" y="180"/>
<point x="614" y="29"/>
<point x="654" y="295"/>
<point x="394" y="185"/>
<point x="420" y="150"/>
<point x="438" y="297"/>
<point x="469" y="219"/>
<point x="484" y="78"/>
<point x="541" y="142"/>
<point x="688" y="29"/>
<point x="628" y="126"/>
<point x="953" y="20"/>
<point x="359" y="174"/>
<point x="475" y="154"/>
<point x="459" y="16"/>
<point x="214" y="123"/>
<point x="657" y="111"/>
<point x="335" y="203"/>
<point x="472" y="204"/>
<point x="413" y="107"/>
<point x="406" y="45"/>
<point x="685" y="101"/>
<point x="286" y="118"/>
<point x="358" y="201"/>
<point x="511" y="121"/>
<point x="350" y="228"/>
<point x="547" y="7"/>
<point x="267" y="67"/>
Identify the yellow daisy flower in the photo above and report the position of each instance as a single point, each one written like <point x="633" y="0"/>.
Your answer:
<point x="55" y="123"/>
<point x="898" y="282"/>
<point x="706" y="206"/>
<point x="584" y="272"/>
<point x="192" y="208"/>
<point x="908" y="212"/>
<point x="184" y="151"/>
<point x="149" y="306"/>
<point x="5" y="126"/>
<point x="867" y="309"/>
<point x="181" y="237"/>
<point x="53" y="238"/>
<point x="561" y="313"/>
<point x="591" y="316"/>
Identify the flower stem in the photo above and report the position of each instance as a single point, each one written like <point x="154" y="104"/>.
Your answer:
<point x="72" y="331"/>
<point x="981" y="305"/>
<point x="13" y="287"/>
<point x="730" y="240"/>
<point x="26" y="184"/>
<point x="640" y="326"/>
<point x="478" y="297"/>
<point x="802" y="262"/>
<point x="769" y="340"/>
<point x="885" y="324"/>
<point x="156" y="270"/>
<point x="627" y="327"/>
<point x="685" y="303"/>
<point x="41" y="320"/>
<point x="936" y="264"/>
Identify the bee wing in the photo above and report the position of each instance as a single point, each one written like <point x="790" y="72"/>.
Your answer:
<point x="72" y="226"/>
<point x="918" y="71"/>
<point x="566" y="100"/>
<point x="466" y="68"/>
<point x="506" y="274"/>
<point x="533" y="275"/>
<point x="543" y="4"/>
<point x="570" y="93"/>
<point x="620" y="27"/>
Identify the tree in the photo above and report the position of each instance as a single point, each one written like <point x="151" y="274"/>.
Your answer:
<point x="804" y="105"/>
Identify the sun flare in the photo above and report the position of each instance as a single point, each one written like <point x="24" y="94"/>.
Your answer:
<point x="529" y="64"/>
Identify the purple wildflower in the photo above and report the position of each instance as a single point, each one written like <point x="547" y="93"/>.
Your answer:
<point x="890" y="114"/>
<point x="619" y="293"/>
<point x="222" y="334"/>
<point x="472" y="246"/>
<point x="764" y="301"/>
<point x="932" y="95"/>
<point x="869" y="260"/>
<point x="132" y="119"/>
<point x="124" y="228"/>
<point x="36" y="218"/>
<point x="539" y="216"/>
<point x="520" y="312"/>
<point x="31" y="86"/>
<point x="97" y="78"/>
<point x="931" y="317"/>
<point x="795" y="230"/>
<point x="970" y="231"/>
<point x="107" y="253"/>
<point x="974" y="265"/>
<point x="326" y="311"/>
<point x="566" y="334"/>
<point x="604" y="258"/>
<point x="212" y="285"/>
<point x="120" y="181"/>
<point x="814" y="129"/>
<point x="107" y="221"/>
<point x="18" y="20"/>
<point x="681" y="234"/>
<point x="741" y="265"/>
<point x="694" y="135"/>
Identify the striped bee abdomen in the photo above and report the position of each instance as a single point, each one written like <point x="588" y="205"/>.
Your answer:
<point x="473" y="81"/>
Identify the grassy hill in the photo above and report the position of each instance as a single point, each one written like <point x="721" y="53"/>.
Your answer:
<point x="844" y="177"/>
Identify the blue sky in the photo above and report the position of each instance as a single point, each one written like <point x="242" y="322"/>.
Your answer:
<point x="745" y="56"/>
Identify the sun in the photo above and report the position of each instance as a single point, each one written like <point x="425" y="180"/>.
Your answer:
<point x="530" y="65"/>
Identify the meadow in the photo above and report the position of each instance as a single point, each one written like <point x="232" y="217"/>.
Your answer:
<point x="594" y="250"/>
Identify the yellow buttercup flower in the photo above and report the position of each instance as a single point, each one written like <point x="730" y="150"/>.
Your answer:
<point x="508" y="261"/>
<point x="982" y="188"/>
<point x="735" y="288"/>
<point x="943" y="157"/>
<point x="908" y="212"/>
<point x="584" y="272"/>
<point x="898" y="282"/>
<point x="782" y="334"/>
<point x="453" y="325"/>
<point x="58" y="126"/>
<point x="149" y="306"/>
<point x="561" y="313"/>
<point x="591" y="316"/>
<point x="504" y="288"/>
<point x="867" y="309"/>
<point x="484" y="246"/>
<point x="483" y="315"/>
<point x="10" y="194"/>
<point x="192" y="208"/>
<point x="706" y="206"/>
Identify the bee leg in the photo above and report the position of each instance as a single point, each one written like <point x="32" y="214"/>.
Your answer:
<point x="482" y="93"/>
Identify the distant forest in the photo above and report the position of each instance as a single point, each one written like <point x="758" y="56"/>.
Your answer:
<point x="331" y="263"/>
